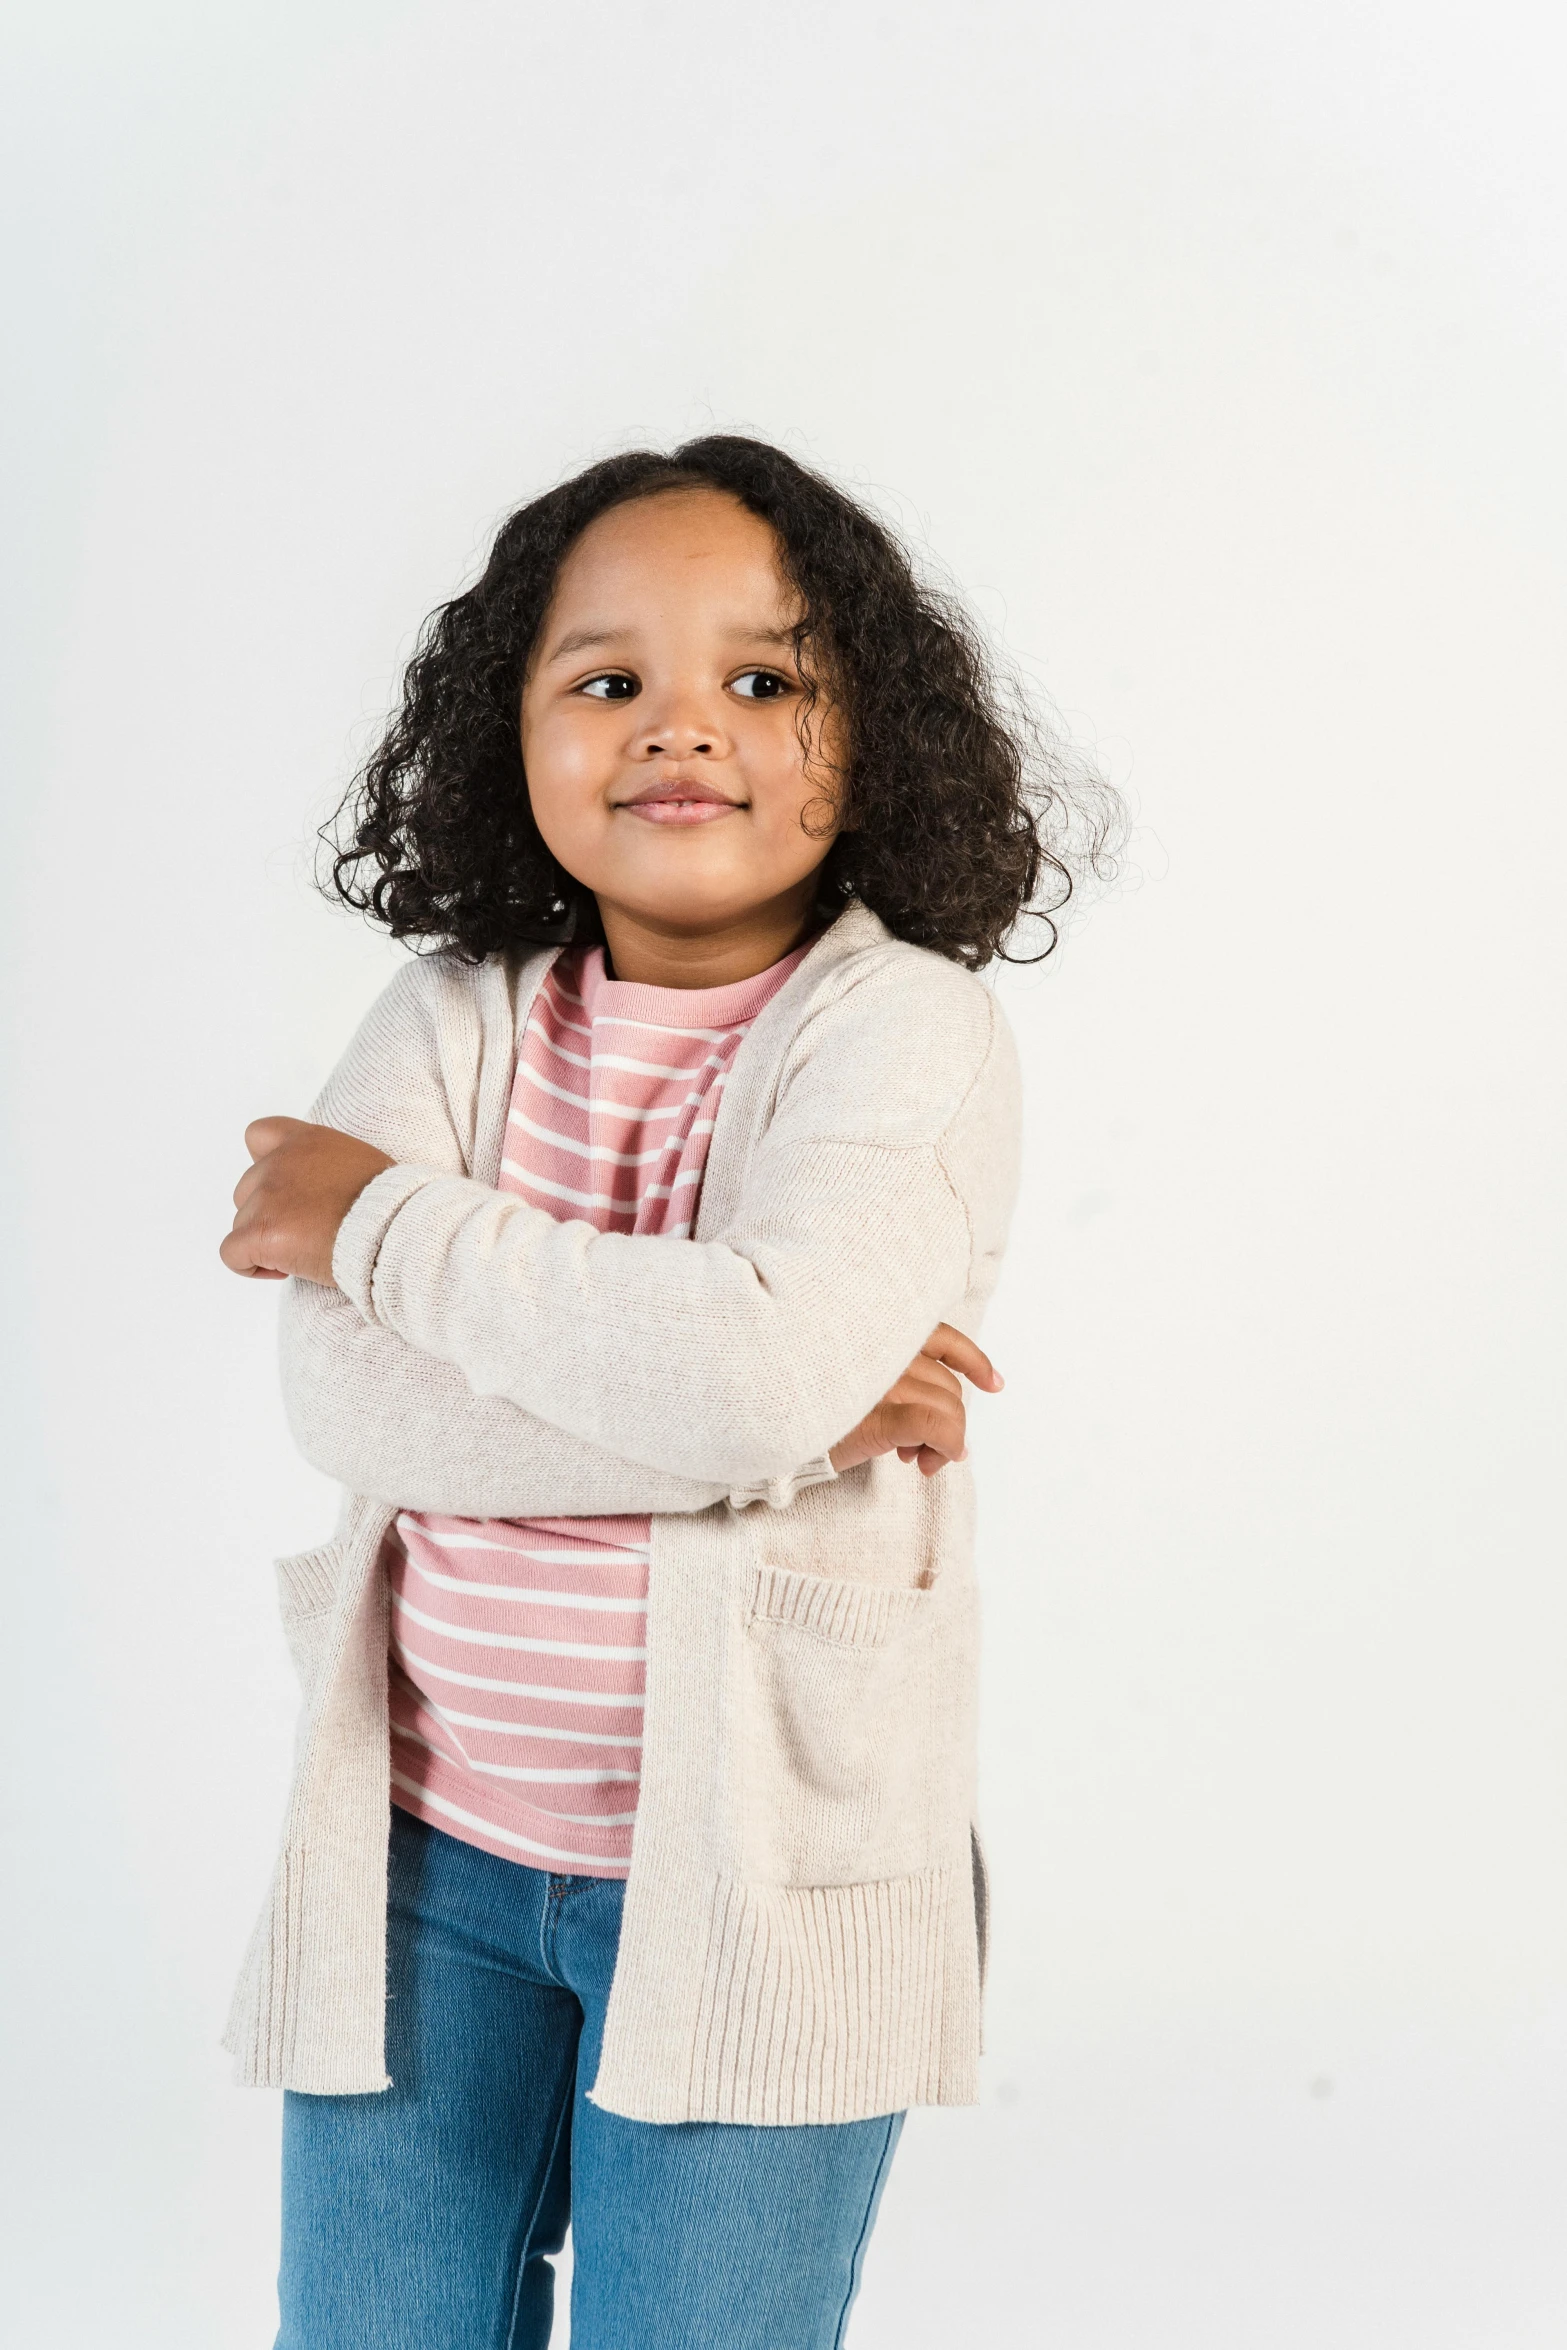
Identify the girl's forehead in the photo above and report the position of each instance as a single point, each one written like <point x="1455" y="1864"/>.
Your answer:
<point x="698" y="540"/>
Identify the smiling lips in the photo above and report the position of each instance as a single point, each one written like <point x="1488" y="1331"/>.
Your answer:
<point x="676" y="800"/>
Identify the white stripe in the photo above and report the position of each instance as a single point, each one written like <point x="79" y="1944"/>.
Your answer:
<point x="605" y="1554"/>
<point x="579" y="1199"/>
<point x="444" y="1713"/>
<point x="593" y="1150"/>
<point x="581" y="1819"/>
<point x="469" y="1819"/>
<point x="628" y="1110"/>
<point x="597" y="1199"/>
<point x="562" y="1020"/>
<point x="542" y="1778"/>
<point x="558" y="1051"/>
<point x="622" y="1061"/>
<point x="617" y="1607"/>
<point x="609" y="1700"/>
<point x="519" y="1640"/>
<point x="455" y="1762"/>
<point x="670" y="1028"/>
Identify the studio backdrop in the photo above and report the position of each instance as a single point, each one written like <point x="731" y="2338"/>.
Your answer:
<point x="1214" y="353"/>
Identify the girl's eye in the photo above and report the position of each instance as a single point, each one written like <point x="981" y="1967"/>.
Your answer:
<point x="759" y="685"/>
<point x="614" y="686"/>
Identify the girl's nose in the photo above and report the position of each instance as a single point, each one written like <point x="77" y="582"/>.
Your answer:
<point x="684" y="731"/>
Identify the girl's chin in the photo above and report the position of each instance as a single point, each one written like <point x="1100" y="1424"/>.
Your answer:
<point x="690" y="908"/>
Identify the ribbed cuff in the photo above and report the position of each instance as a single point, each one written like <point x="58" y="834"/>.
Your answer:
<point x="363" y="1231"/>
<point x="778" y="1492"/>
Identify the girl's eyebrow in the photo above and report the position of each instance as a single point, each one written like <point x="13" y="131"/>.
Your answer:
<point x="763" y="636"/>
<point x="583" y="640"/>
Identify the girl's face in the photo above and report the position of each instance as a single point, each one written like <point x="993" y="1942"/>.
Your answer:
<point x="661" y="723"/>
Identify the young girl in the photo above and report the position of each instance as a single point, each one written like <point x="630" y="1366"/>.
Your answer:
<point x="639" y="1244"/>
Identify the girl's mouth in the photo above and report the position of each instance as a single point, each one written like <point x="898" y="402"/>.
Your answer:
<point x="679" y="803"/>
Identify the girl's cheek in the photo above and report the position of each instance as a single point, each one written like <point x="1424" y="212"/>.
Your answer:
<point x="566" y="776"/>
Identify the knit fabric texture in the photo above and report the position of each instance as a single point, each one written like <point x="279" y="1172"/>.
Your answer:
<point x="803" y="1926"/>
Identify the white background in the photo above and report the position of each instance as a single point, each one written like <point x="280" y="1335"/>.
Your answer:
<point x="1215" y="349"/>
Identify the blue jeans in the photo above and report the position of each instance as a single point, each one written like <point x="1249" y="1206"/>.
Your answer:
<point x="423" y="2218"/>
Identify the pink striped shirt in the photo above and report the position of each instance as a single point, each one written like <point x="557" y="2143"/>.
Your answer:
<point x="518" y="1645"/>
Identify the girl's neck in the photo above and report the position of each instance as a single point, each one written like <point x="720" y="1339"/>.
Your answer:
<point x="649" y="953"/>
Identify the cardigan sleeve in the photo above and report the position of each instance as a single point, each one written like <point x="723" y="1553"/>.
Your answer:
<point x="402" y="1427"/>
<point x="874" y="1194"/>
<point x="399" y="1425"/>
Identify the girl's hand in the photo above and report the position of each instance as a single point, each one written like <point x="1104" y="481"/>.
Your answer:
<point x="921" y="1417"/>
<point x="291" y="1202"/>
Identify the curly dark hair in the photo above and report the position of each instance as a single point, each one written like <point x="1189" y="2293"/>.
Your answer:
<point x="964" y="819"/>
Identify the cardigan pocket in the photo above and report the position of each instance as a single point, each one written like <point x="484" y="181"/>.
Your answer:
<point x="307" y="1586"/>
<point x="837" y="1730"/>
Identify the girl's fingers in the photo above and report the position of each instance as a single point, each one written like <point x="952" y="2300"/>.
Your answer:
<point x="247" y="1183"/>
<point x="936" y="1424"/>
<point x="946" y="1345"/>
<point x="264" y="1134"/>
<point x="291" y="1201"/>
<point x="238" y="1250"/>
<point x="923" y="1417"/>
<point x="234" y="1249"/>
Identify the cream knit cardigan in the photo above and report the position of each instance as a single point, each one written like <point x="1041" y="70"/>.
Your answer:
<point x="803" y="1924"/>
